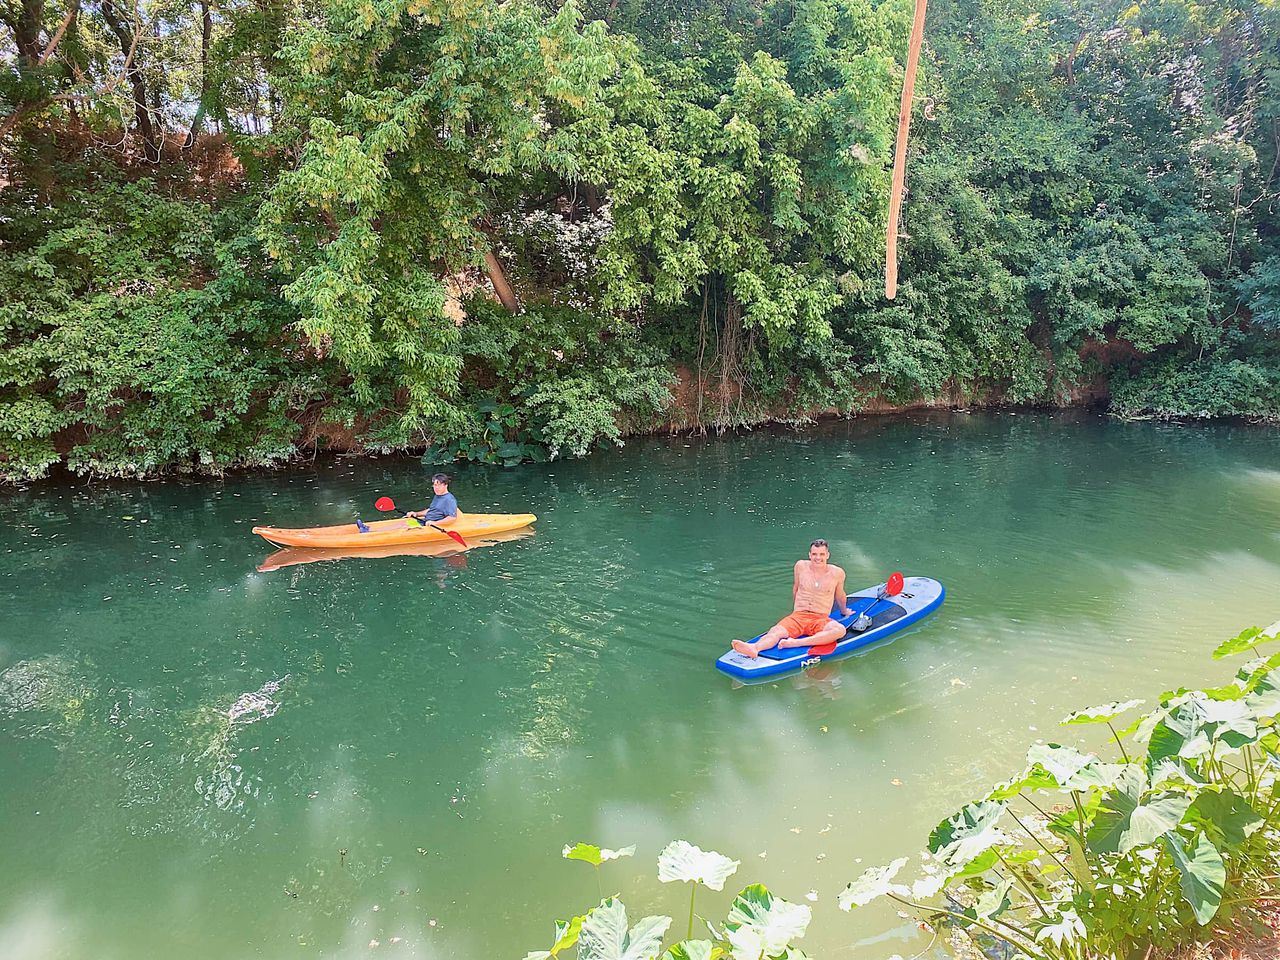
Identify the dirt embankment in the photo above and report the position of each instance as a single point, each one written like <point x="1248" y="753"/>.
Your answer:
<point x="712" y="405"/>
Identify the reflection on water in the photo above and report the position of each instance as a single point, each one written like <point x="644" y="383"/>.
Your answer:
<point x="401" y="747"/>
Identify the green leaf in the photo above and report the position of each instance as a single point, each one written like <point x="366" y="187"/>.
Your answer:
<point x="683" y="861"/>
<point x="1226" y="814"/>
<point x="1062" y="763"/>
<point x="589" y="853"/>
<point x="1124" y="822"/>
<point x="762" y="925"/>
<point x="1033" y="778"/>
<point x="1204" y="876"/>
<point x="995" y="901"/>
<point x="567" y="932"/>
<point x="1174" y="770"/>
<point x="1102" y="713"/>
<point x="968" y="833"/>
<point x="692" y="950"/>
<point x="1246" y="639"/>
<point x="875" y="882"/>
<point x="980" y="864"/>
<point x="1067" y="927"/>
<point x="605" y="935"/>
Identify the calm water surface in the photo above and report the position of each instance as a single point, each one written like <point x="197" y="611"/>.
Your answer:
<point x="201" y="760"/>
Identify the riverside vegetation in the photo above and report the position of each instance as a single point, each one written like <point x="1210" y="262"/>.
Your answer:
<point x="501" y="231"/>
<point x="1078" y="857"/>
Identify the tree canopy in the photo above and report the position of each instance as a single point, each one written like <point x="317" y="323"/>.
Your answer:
<point x="495" y="231"/>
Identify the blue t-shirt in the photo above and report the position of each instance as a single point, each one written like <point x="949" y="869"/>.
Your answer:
<point x="442" y="505"/>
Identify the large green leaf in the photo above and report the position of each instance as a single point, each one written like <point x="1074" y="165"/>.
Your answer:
<point x="762" y="925"/>
<point x="1246" y="639"/>
<point x="995" y="901"/>
<point x="1066" y="927"/>
<point x="683" y="861"/>
<point x="1034" y="777"/>
<point x="1204" y="876"/>
<point x="1262" y="692"/>
<point x="1193" y="723"/>
<point x="590" y="853"/>
<point x="1256" y="672"/>
<point x="567" y="932"/>
<point x="1104" y="775"/>
<point x="1174" y="770"/>
<point x="1102" y="713"/>
<point x="692" y="950"/>
<point x="605" y="935"/>
<point x="1065" y="764"/>
<point x="1125" y="821"/>
<point x="1226" y="814"/>
<point x="1230" y="721"/>
<point x="875" y="882"/>
<point x="971" y="831"/>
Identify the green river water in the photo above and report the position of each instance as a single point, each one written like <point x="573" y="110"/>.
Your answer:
<point x="205" y="761"/>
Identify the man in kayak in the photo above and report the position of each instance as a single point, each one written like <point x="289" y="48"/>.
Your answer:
<point x="444" y="509"/>
<point x="818" y="586"/>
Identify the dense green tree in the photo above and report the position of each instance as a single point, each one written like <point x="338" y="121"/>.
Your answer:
<point x="505" y="230"/>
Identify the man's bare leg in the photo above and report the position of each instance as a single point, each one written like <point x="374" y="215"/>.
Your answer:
<point x="832" y="633"/>
<point x="776" y="635"/>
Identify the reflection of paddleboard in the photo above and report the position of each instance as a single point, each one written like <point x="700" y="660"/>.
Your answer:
<point x="291" y="556"/>
<point x="383" y="532"/>
<point x="920" y="596"/>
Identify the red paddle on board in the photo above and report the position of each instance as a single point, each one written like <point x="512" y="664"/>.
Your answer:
<point x="386" y="504"/>
<point x="891" y="589"/>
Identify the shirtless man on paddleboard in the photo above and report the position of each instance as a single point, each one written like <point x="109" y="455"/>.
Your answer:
<point x="818" y="586"/>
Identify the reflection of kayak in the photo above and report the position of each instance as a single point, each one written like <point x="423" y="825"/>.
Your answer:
<point x="383" y="532"/>
<point x="920" y="596"/>
<point x="292" y="556"/>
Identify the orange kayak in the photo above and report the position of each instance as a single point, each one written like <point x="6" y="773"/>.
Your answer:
<point x="445" y="549"/>
<point x="398" y="531"/>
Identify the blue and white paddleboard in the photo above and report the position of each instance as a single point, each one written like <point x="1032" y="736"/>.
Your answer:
<point x="920" y="596"/>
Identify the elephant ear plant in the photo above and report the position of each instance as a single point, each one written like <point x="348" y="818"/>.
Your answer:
<point x="1079" y="857"/>
<point x="759" y="926"/>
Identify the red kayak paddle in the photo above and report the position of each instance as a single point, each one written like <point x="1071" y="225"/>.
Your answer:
<point x="386" y="504"/>
<point x="891" y="589"/>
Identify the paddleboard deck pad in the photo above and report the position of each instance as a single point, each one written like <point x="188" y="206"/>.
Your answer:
<point x="920" y="596"/>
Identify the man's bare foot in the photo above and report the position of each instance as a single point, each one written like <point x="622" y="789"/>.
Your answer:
<point x="794" y="642"/>
<point x="746" y="649"/>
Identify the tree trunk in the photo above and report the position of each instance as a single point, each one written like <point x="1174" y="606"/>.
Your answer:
<point x="27" y="31"/>
<point x="206" y="35"/>
<point x="142" y="112"/>
<point x="1066" y="65"/>
<point x="499" y="280"/>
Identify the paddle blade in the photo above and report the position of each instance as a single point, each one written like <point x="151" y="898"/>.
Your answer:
<point x="384" y="504"/>
<point x="894" y="586"/>
<point x="452" y="535"/>
<point x="822" y="649"/>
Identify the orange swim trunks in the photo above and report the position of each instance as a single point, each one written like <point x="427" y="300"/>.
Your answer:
<point x="805" y="624"/>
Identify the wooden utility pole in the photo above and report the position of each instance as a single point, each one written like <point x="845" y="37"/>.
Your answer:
<point x="900" y="153"/>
